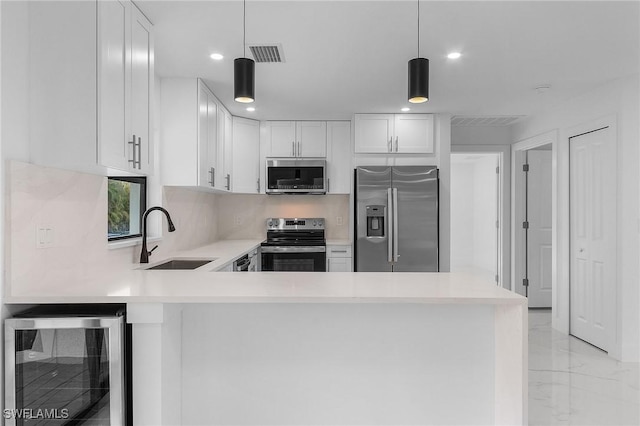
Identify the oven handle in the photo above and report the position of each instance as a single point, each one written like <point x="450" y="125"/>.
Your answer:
<point x="297" y="249"/>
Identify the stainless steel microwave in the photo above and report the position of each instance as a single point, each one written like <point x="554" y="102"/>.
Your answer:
<point x="286" y="176"/>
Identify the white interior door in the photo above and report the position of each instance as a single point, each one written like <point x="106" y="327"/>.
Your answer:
<point x="593" y="242"/>
<point x="539" y="233"/>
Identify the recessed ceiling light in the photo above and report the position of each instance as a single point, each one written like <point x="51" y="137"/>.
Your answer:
<point x="216" y="56"/>
<point x="251" y="109"/>
<point x="454" y="55"/>
<point x="405" y="109"/>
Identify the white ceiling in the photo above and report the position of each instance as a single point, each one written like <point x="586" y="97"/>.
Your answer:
<point x="351" y="56"/>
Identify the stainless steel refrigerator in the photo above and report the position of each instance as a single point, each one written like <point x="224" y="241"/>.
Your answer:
<point x="396" y="219"/>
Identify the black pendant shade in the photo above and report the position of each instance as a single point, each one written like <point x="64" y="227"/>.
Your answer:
<point x="418" y="80"/>
<point x="244" y="80"/>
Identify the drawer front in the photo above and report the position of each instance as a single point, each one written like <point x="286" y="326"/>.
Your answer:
<point x="338" y="251"/>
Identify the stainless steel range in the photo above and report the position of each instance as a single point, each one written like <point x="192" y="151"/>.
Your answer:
<point x="294" y="244"/>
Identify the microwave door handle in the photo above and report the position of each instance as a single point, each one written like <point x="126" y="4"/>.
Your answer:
<point x="389" y="218"/>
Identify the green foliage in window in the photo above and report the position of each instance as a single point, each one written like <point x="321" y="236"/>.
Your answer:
<point x="119" y="196"/>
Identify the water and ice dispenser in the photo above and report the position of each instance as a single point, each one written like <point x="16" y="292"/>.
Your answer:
<point x="375" y="220"/>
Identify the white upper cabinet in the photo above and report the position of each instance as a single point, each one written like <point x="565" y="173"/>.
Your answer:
<point x="246" y="156"/>
<point x="90" y="86"/>
<point x="225" y="149"/>
<point x="296" y="139"/>
<point x="142" y="73"/>
<point x="374" y="132"/>
<point x="125" y="87"/>
<point x="189" y="153"/>
<point x="413" y="133"/>
<point x="394" y="133"/>
<point x="339" y="166"/>
<point x="312" y="138"/>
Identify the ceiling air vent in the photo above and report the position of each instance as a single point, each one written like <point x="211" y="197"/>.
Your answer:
<point x="471" y="120"/>
<point x="267" y="52"/>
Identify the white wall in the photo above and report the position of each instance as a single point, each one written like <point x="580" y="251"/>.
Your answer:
<point x="481" y="135"/>
<point x="15" y="82"/>
<point x="618" y="99"/>
<point x="474" y="198"/>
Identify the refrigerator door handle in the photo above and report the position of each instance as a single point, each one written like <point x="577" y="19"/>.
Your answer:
<point x="390" y="218"/>
<point x="396" y="253"/>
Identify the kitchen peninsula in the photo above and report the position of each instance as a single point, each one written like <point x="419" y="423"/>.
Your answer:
<point x="316" y="348"/>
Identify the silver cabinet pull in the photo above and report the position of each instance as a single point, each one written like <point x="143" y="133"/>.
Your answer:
<point x="396" y="144"/>
<point x="133" y="151"/>
<point x="328" y="184"/>
<point x="396" y="251"/>
<point x="228" y="182"/>
<point x="211" y="176"/>
<point x="299" y="149"/>
<point x="338" y="251"/>
<point x="258" y="185"/>
<point x="389" y="220"/>
<point x="391" y="144"/>
<point x="293" y="149"/>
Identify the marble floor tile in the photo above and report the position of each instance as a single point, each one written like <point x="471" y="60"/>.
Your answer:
<point x="574" y="383"/>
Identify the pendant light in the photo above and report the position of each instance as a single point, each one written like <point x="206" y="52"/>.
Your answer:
<point x="244" y="77"/>
<point x="418" y="74"/>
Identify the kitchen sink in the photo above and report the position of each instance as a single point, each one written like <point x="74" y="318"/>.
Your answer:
<point x="183" y="264"/>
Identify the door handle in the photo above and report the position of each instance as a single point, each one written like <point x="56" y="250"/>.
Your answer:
<point x="133" y="152"/>
<point x="396" y="253"/>
<point x="389" y="227"/>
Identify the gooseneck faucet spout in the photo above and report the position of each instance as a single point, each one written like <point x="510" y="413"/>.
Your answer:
<point x="144" y="254"/>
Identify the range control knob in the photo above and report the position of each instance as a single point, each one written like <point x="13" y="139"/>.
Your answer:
<point x="315" y="223"/>
<point x="269" y="224"/>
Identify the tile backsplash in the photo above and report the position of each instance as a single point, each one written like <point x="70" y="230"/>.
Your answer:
<point x="243" y="216"/>
<point x="74" y="206"/>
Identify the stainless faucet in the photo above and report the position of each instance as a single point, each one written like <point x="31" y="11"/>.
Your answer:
<point x="144" y="255"/>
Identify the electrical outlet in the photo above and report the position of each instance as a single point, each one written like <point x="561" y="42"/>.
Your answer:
<point x="238" y="220"/>
<point x="339" y="220"/>
<point x="44" y="236"/>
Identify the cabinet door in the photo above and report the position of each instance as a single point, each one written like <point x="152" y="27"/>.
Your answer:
<point x="339" y="167"/>
<point x="205" y="177"/>
<point x="311" y="139"/>
<point x="142" y="88"/>
<point x="414" y="134"/>
<point x="212" y="142"/>
<point x="225" y="146"/>
<point x="246" y="154"/>
<point x="339" y="264"/>
<point x="373" y="133"/>
<point x="281" y="139"/>
<point x="114" y="26"/>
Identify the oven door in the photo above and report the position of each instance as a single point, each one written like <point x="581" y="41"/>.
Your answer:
<point x="294" y="259"/>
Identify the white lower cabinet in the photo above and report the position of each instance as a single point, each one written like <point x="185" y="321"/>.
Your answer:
<point x="339" y="258"/>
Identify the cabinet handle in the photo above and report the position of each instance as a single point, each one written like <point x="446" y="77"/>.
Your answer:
<point x="211" y="176"/>
<point x="139" y="152"/>
<point x="293" y="149"/>
<point x="299" y="149"/>
<point x="328" y="184"/>
<point x="390" y="144"/>
<point x="258" y="183"/>
<point x="338" y="251"/>
<point x="133" y="152"/>
<point x="396" y="144"/>
<point x="228" y="182"/>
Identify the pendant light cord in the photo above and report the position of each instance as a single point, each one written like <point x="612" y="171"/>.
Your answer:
<point x="418" y="28"/>
<point x="244" y="28"/>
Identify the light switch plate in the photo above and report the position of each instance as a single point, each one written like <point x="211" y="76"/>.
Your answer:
<point x="44" y="236"/>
